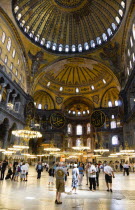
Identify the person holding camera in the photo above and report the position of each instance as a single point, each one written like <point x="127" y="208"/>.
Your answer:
<point x="108" y="176"/>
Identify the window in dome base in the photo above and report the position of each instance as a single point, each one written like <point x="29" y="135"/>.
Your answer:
<point x="115" y="140"/>
<point x="79" y="130"/>
<point x="109" y="103"/>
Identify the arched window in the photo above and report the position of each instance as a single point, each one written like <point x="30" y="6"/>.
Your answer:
<point x="88" y="128"/>
<point x="42" y="42"/>
<point x="39" y="106"/>
<point x="6" y="59"/>
<point x="78" y="142"/>
<point x="92" y="44"/>
<point x="116" y="103"/>
<point x="115" y="140"/>
<point x="54" y="46"/>
<point x="79" y="47"/>
<point x="113" y="124"/>
<point x="69" y="129"/>
<point x="109" y="31"/>
<point x="67" y="48"/>
<point x="11" y="66"/>
<point x="131" y="41"/>
<point x="0" y="50"/>
<point x="114" y="26"/>
<point x="133" y="57"/>
<point x="69" y="143"/>
<point x="109" y="103"/>
<point x="60" y="48"/>
<point x="79" y="130"/>
<point x="9" y="44"/>
<point x="48" y="44"/>
<point x="89" y="143"/>
<point x="73" y="48"/>
<point x="77" y="90"/>
<point x="120" y="12"/>
<point x="98" y="40"/>
<point x="104" y="37"/>
<point x="133" y="30"/>
<point x="16" y="73"/>
<point x="117" y="19"/>
<point x="129" y="52"/>
<point x="13" y="54"/>
<point x="3" y="37"/>
<point x="86" y="46"/>
<point x="130" y="64"/>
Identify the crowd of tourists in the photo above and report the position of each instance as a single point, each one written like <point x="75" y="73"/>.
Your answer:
<point x="61" y="171"/>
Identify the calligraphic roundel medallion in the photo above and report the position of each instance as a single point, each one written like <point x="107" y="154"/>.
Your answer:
<point x="57" y="120"/>
<point x="97" y="118"/>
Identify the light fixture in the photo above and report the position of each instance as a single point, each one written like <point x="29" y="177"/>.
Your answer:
<point x="8" y="152"/>
<point x="14" y="149"/>
<point x="96" y="155"/>
<point x="2" y="150"/>
<point x="101" y="150"/>
<point x="53" y="149"/>
<point x="81" y="148"/>
<point x="127" y="151"/>
<point x="21" y="147"/>
<point x="112" y="156"/>
<point x="10" y="106"/>
<point x="27" y="134"/>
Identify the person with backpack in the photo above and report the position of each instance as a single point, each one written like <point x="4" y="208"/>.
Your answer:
<point x="60" y="173"/>
<point x="39" y="169"/>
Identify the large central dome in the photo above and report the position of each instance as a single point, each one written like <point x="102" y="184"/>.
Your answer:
<point x="69" y="26"/>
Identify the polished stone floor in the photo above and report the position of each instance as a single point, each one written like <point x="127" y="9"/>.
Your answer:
<point x="37" y="195"/>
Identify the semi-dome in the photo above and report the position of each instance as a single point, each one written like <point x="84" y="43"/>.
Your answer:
<point x="69" y="26"/>
<point x="76" y="76"/>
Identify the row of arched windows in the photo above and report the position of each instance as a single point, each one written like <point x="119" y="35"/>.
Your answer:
<point x="79" y="129"/>
<point x="131" y="51"/>
<point x="114" y="142"/>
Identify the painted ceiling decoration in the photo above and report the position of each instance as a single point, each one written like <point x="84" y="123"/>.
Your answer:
<point x="76" y="76"/>
<point x="69" y="26"/>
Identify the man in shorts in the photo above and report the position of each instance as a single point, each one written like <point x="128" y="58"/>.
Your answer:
<point x="108" y="176"/>
<point x="60" y="173"/>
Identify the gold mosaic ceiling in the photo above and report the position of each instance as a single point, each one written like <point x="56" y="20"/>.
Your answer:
<point x="69" y="26"/>
<point x="76" y="75"/>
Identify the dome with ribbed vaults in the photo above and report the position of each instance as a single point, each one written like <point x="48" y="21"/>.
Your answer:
<point x="69" y="26"/>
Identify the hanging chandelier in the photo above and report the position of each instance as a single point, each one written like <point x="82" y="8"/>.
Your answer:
<point x="81" y="148"/>
<point x="101" y="150"/>
<point x="21" y="147"/>
<point x="27" y="134"/>
<point x="51" y="149"/>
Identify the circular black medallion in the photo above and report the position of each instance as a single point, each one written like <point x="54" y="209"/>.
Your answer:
<point x="97" y="118"/>
<point x="57" y="120"/>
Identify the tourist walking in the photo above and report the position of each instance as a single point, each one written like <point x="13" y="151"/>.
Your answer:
<point x="60" y="173"/>
<point x="92" y="176"/>
<point x="108" y="176"/>
<point x="126" y="168"/>
<point x="39" y="169"/>
<point x="81" y="174"/>
<point x="75" y="177"/>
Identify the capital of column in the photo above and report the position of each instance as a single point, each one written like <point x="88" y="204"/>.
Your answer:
<point x="9" y="90"/>
<point x="3" y="85"/>
<point x="14" y="95"/>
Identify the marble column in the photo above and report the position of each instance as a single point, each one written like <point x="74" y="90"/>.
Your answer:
<point x="5" y="138"/>
<point x="3" y="85"/>
<point x="8" y="94"/>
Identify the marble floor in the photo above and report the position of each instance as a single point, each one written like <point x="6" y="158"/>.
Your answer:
<point x="37" y="195"/>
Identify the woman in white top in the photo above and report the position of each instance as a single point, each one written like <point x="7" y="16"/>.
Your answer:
<point x="75" y="177"/>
